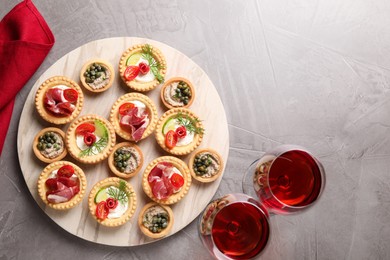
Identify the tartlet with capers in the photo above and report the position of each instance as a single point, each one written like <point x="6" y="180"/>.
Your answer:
<point x="155" y="220"/>
<point x="97" y="75"/>
<point x="177" y="92"/>
<point x="205" y="165"/>
<point x="126" y="160"/>
<point x="49" y="145"/>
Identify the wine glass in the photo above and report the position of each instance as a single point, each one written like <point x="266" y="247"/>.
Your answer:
<point x="287" y="179"/>
<point x="234" y="227"/>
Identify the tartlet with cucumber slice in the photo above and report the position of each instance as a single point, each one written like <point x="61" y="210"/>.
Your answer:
<point x="112" y="202"/>
<point x="97" y="75"/>
<point x="90" y="139"/>
<point x="142" y="67"/>
<point x="179" y="131"/>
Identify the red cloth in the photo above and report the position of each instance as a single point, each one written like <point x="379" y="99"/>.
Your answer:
<point x="25" y="40"/>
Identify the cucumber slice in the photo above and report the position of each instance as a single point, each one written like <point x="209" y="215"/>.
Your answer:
<point x="100" y="129"/>
<point x="133" y="59"/>
<point x="170" y="124"/>
<point x="101" y="195"/>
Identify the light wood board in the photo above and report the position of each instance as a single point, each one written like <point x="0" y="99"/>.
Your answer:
<point x="207" y="106"/>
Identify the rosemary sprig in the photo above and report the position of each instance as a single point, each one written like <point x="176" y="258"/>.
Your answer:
<point x="121" y="194"/>
<point x="155" y="66"/>
<point x="189" y="123"/>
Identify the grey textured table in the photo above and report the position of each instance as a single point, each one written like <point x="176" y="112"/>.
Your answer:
<point x="313" y="73"/>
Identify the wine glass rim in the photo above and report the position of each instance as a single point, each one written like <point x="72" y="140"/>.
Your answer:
<point x="285" y="148"/>
<point x="250" y="200"/>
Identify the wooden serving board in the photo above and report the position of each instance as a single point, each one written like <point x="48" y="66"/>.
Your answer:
<point x="207" y="106"/>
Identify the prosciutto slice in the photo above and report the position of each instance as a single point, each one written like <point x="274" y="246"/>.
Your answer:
<point x="135" y="122"/>
<point x="63" y="195"/>
<point x="62" y="190"/>
<point x="159" y="180"/>
<point x="56" y="104"/>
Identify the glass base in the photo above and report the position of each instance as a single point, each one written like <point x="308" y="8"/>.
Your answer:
<point x="247" y="180"/>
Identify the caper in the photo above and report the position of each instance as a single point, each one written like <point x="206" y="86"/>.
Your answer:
<point x="201" y="169"/>
<point x="164" y="225"/>
<point x="122" y="169"/>
<point x="98" y="75"/>
<point x="98" y="67"/>
<point x="48" y="145"/>
<point x="124" y="164"/>
<point x="120" y="158"/>
<point x="185" y="102"/>
<point x="120" y="164"/>
<point x="92" y="68"/>
<point x="55" y="146"/>
<point x="116" y="153"/>
<point x="47" y="134"/>
<point x="154" y="230"/>
<point x="40" y="147"/>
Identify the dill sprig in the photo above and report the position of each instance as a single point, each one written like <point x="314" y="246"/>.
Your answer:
<point x="155" y="66"/>
<point x="121" y="194"/>
<point x="97" y="147"/>
<point x="189" y="123"/>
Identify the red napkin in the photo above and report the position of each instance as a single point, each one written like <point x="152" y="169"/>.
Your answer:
<point x="25" y="40"/>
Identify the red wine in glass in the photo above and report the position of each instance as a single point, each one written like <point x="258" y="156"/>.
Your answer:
<point x="234" y="227"/>
<point x="288" y="179"/>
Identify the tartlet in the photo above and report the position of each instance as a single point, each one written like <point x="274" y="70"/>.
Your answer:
<point x="151" y="209"/>
<point x="44" y="191"/>
<point x="94" y="200"/>
<point x="157" y="186"/>
<point x="132" y="165"/>
<point x="142" y="79"/>
<point x="177" y="92"/>
<point x="121" y="108"/>
<point x="102" y="78"/>
<point x="56" y="141"/>
<point x="178" y="142"/>
<point x="205" y="165"/>
<point x="51" y="103"/>
<point x="89" y="144"/>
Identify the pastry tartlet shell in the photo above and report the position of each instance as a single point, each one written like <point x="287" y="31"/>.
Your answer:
<point x="132" y="201"/>
<point x="205" y="179"/>
<point x="146" y="231"/>
<point x="111" y="160"/>
<point x="114" y="115"/>
<point x="141" y="86"/>
<point x="107" y="65"/>
<point x="181" y="166"/>
<point x="172" y="80"/>
<point x="74" y="151"/>
<point x="52" y="82"/>
<point x="39" y="154"/>
<point x="177" y="150"/>
<point x="73" y="201"/>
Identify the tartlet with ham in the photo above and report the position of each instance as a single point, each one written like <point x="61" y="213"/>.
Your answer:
<point x="166" y="180"/>
<point x="59" y="100"/>
<point x="62" y="185"/>
<point x="133" y="116"/>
